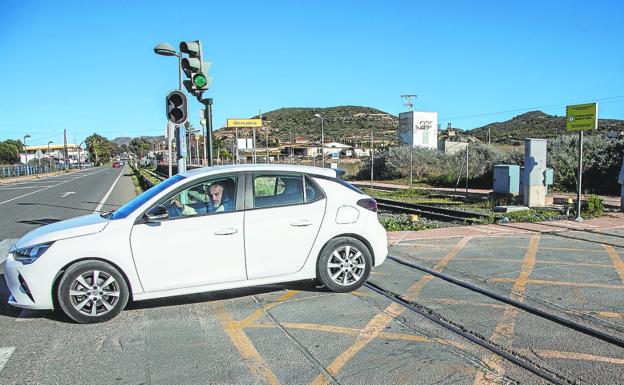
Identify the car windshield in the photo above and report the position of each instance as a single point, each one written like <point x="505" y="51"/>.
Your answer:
<point x="137" y="202"/>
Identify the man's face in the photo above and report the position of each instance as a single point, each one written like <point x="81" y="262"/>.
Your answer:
<point x="216" y="194"/>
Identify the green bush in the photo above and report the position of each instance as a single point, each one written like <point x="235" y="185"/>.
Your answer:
<point x="593" y="206"/>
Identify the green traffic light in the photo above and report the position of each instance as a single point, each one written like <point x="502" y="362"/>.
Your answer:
<point x="199" y="80"/>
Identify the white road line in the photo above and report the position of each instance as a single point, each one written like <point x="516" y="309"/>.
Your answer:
<point x="33" y="192"/>
<point x="19" y="188"/>
<point x="5" y="354"/>
<point x="99" y="207"/>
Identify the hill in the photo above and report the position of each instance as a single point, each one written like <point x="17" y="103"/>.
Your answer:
<point x="348" y="124"/>
<point x="535" y="124"/>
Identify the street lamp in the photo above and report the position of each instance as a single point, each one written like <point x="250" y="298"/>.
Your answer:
<point x="322" y="137"/>
<point x="26" y="153"/>
<point x="165" y="49"/>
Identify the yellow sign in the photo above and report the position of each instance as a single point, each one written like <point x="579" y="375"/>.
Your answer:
<point x="582" y="117"/>
<point x="244" y="122"/>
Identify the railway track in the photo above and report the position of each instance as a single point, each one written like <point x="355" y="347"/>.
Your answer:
<point x="545" y="372"/>
<point x="432" y="212"/>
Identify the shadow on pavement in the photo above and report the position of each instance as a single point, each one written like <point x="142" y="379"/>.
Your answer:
<point x="58" y="206"/>
<point x="307" y="285"/>
<point x="7" y="310"/>
<point x="40" y="222"/>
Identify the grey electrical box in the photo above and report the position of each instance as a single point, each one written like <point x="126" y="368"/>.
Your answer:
<point x="506" y="179"/>
<point x="534" y="172"/>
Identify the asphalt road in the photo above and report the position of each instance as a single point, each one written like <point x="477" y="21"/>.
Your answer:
<point x="302" y="334"/>
<point x="27" y="205"/>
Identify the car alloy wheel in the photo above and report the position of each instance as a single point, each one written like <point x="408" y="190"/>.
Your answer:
<point x="94" y="293"/>
<point x="346" y="265"/>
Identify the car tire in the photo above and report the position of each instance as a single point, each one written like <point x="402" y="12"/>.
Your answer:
<point x="86" y="301"/>
<point x="344" y="264"/>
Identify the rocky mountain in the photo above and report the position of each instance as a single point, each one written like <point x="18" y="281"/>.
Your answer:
<point x="348" y="124"/>
<point x="535" y="124"/>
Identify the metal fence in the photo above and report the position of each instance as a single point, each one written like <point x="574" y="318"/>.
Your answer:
<point x="21" y="170"/>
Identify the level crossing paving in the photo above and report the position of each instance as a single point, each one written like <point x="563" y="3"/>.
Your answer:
<point x="302" y="334"/>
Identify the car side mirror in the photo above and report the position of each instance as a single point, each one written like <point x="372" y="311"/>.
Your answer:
<point x="157" y="213"/>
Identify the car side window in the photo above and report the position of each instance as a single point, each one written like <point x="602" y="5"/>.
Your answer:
<point x="206" y="197"/>
<point x="313" y="191"/>
<point x="277" y="190"/>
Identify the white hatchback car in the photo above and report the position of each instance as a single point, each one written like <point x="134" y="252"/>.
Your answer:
<point x="208" y="229"/>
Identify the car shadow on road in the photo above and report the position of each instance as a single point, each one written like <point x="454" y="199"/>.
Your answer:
<point x="39" y="222"/>
<point x="306" y="285"/>
<point x="57" y="206"/>
<point x="9" y="311"/>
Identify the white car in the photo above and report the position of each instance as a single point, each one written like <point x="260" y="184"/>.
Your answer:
<point x="209" y="229"/>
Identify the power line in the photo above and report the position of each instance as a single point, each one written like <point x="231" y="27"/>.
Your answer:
<point x="611" y="98"/>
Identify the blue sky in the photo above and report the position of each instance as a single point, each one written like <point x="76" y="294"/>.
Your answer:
<point x="88" y="66"/>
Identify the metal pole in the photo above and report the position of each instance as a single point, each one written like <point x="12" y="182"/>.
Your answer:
<point x="255" y="160"/>
<point x="580" y="179"/>
<point x="322" y="141"/>
<point x="179" y="71"/>
<point x="208" y="117"/>
<point x="411" y="165"/>
<point x="26" y="156"/>
<point x="466" y="171"/>
<point x="236" y="141"/>
<point x="372" y="158"/>
<point x="170" y="153"/>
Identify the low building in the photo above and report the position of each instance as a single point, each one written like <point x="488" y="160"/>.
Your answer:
<point x="55" y="152"/>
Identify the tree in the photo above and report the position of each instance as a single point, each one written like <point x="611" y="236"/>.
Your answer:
<point x="140" y="147"/>
<point x="100" y="149"/>
<point x="9" y="151"/>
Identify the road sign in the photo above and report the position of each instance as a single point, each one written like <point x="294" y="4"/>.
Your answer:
<point x="582" y="117"/>
<point x="244" y="122"/>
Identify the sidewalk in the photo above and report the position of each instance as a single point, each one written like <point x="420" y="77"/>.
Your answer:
<point x="610" y="221"/>
<point x="607" y="199"/>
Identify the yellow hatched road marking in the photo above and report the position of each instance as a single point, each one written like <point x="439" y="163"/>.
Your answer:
<point x="243" y="344"/>
<point x="563" y="283"/>
<point x="504" y="330"/>
<point x="617" y="261"/>
<point x="572" y="356"/>
<point x="380" y="321"/>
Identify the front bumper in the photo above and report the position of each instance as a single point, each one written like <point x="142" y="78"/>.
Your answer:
<point x="26" y="286"/>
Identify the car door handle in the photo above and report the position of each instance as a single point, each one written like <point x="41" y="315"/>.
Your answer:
<point x="226" y="231"/>
<point x="301" y="223"/>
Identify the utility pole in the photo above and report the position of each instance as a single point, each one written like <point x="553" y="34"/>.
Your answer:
<point x="408" y="101"/>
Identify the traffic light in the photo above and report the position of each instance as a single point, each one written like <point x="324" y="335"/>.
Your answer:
<point x="176" y="107"/>
<point x="194" y="68"/>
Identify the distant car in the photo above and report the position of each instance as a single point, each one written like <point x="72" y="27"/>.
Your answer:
<point x="208" y="229"/>
<point x="117" y="164"/>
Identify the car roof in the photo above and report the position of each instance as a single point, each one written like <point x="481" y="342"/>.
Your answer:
<point x="260" y="167"/>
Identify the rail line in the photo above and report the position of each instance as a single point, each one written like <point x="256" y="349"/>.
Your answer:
<point x="428" y="211"/>
<point x="523" y="362"/>
<point x="539" y="370"/>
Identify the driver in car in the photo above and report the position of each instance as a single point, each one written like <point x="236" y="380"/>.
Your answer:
<point x="216" y="203"/>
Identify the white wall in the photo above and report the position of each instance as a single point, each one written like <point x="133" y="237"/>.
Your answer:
<point x="419" y="129"/>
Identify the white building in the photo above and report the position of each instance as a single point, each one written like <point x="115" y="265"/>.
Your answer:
<point x="419" y="129"/>
<point x="55" y="152"/>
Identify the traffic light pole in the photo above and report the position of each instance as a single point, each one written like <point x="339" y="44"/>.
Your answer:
<point x="208" y="117"/>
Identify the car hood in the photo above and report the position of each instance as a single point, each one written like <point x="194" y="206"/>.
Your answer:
<point x="70" y="228"/>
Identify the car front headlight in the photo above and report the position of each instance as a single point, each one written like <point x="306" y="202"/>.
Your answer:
<point x="30" y="254"/>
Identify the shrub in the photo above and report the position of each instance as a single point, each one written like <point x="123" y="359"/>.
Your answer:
<point x="593" y="206"/>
